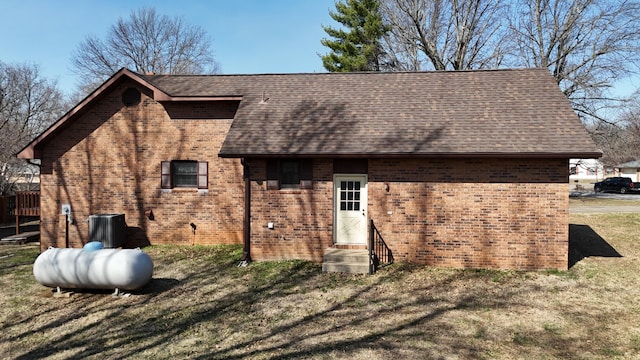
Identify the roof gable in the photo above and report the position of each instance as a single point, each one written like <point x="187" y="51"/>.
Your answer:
<point x="504" y="113"/>
<point x="32" y="150"/>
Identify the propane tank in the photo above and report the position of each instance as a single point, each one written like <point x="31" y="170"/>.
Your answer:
<point x="125" y="269"/>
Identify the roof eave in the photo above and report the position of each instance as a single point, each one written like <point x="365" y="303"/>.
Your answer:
<point x="163" y="97"/>
<point x="476" y="155"/>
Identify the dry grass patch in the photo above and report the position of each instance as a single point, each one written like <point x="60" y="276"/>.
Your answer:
<point x="201" y="305"/>
<point x="599" y="201"/>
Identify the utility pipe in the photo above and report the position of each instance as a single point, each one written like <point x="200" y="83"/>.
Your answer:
<point x="246" y="229"/>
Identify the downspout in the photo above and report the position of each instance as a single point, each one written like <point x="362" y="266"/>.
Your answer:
<point x="246" y="229"/>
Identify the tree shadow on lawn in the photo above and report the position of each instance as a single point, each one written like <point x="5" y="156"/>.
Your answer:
<point x="166" y="324"/>
<point x="210" y="308"/>
<point x="228" y="312"/>
<point x="585" y="242"/>
<point x="157" y="286"/>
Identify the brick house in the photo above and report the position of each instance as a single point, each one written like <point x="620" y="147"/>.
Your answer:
<point x="587" y="170"/>
<point x="630" y="169"/>
<point x="457" y="169"/>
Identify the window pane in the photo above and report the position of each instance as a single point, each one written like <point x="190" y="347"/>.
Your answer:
<point x="185" y="168"/>
<point x="185" y="181"/>
<point x="185" y="173"/>
<point x="289" y="173"/>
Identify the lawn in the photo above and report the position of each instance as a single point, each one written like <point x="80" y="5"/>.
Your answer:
<point x="599" y="201"/>
<point x="201" y="305"/>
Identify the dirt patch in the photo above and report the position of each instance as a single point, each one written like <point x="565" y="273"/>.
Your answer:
<point x="201" y="305"/>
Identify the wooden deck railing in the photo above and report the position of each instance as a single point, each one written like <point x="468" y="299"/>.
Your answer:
<point x="27" y="204"/>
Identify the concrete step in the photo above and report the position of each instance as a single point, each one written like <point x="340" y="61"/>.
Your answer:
<point x="346" y="255"/>
<point x="347" y="261"/>
<point x="349" y="268"/>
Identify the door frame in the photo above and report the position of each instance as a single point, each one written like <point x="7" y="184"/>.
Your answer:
<point x="364" y="198"/>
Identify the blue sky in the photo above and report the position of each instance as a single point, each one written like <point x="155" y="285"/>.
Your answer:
<point x="248" y="36"/>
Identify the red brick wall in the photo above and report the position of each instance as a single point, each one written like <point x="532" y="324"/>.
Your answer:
<point x="303" y="219"/>
<point x="493" y="213"/>
<point x="108" y="161"/>
<point x="504" y="214"/>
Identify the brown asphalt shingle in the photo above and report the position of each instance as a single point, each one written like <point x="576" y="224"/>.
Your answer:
<point x="464" y="113"/>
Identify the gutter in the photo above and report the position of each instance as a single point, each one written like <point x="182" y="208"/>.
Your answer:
<point x="246" y="228"/>
<point x="451" y="155"/>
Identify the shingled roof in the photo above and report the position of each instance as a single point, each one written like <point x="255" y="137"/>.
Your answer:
<point x="463" y="113"/>
<point x="504" y="113"/>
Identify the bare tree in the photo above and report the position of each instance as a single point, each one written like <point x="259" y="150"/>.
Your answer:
<point x="629" y="123"/>
<point x="619" y="139"/>
<point x="614" y="141"/>
<point x="145" y="42"/>
<point x="29" y="103"/>
<point x="444" y="34"/>
<point x="586" y="44"/>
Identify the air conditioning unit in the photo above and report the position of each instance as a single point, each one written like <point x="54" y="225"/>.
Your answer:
<point x="109" y="229"/>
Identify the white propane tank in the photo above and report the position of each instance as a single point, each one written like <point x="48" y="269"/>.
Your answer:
<point x="125" y="269"/>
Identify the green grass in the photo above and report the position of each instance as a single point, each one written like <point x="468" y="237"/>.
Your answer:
<point x="15" y="262"/>
<point x="521" y="339"/>
<point x="635" y="342"/>
<point x="553" y="329"/>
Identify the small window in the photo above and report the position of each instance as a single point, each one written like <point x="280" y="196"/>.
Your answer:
<point x="184" y="174"/>
<point x="289" y="174"/>
<point x="350" y="195"/>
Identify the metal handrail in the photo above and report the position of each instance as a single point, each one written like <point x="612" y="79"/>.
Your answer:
<point x="379" y="252"/>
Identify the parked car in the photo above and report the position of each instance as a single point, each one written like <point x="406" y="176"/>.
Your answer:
<point x="621" y="185"/>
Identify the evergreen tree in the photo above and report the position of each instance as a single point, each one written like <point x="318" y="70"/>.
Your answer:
<point x="357" y="47"/>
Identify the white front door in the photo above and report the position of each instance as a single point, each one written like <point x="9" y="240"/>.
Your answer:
<point x="350" y="203"/>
